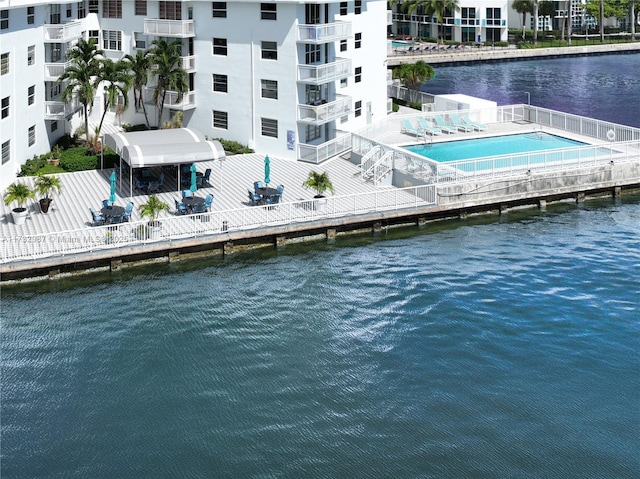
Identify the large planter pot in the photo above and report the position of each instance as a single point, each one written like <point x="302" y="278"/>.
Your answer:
<point x="155" y="229"/>
<point x="44" y="204"/>
<point x="320" y="203"/>
<point x="19" y="215"/>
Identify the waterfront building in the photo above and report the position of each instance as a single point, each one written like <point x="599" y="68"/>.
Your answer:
<point x="285" y="78"/>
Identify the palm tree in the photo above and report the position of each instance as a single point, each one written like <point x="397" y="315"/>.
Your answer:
<point x="413" y="75"/>
<point x="523" y="7"/>
<point x="166" y="65"/>
<point x="139" y="67"/>
<point x="115" y="76"/>
<point x="318" y="182"/>
<point x="81" y="76"/>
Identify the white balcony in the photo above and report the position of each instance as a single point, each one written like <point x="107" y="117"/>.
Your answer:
<point x="63" y="33"/>
<point x="52" y="71"/>
<point x="325" y="73"/>
<point x="325" y="112"/>
<point x="324" y="32"/>
<point x="189" y="63"/>
<point x="169" y="28"/>
<point x="329" y="149"/>
<point x="59" y="110"/>
<point x="171" y="100"/>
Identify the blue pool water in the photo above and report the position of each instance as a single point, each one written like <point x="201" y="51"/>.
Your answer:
<point x="493" y="146"/>
<point x="395" y="44"/>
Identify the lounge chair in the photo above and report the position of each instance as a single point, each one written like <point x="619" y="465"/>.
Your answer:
<point x="457" y="122"/>
<point x="408" y="128"/>
<point x="473" y="124"/>
<point x="432" y="130"/>
<point x="443" y="126"/>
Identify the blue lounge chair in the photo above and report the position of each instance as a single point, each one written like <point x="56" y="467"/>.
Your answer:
<point x="473" y="124"/>
<point x="128" y="210"/>
<point x="432" y="130"/>
<point x="408" y="128"/>
<point x="457" y="122"/>
<point x="443" y="126"/>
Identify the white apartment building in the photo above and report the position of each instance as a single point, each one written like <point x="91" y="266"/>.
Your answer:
<point x="476" y="21"/>
<point x="287" y="78"/>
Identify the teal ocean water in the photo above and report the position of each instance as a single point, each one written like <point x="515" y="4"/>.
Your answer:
<point x="489" y="347"/>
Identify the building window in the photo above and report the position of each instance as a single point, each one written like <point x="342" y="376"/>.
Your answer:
<point x="112" y="40"/>
<point x="4" y="19"/>
<point x="343" y="8"/>
<point x="82" y="10"/>
<point x="94" y="34"/>
<point x="31" y="95"/>
<point x="343" y="45"/>
<point x="32" y="135"/>
<point x="268" y="11"/>
<point x="6" y="151"/>
<point x="219" y="9"/>
<point x="313" y="132"/>
<point x="4" y="64"/>
<point x="269" y="89"/>
<point x="54" y="126"/>
<point x="343" y="82"/>
<point x="358" y="76"/>
<point x="69" y="11"/>
<point x="358" y="40"/>
<point x="493" y="16"/>
<point x="170" y="10"/>
<point x="269" y="127"/>
<point x="269" y="50"/>
<point x="358" y="108"/>
<point x="54" y="89"/>
<point x="220" y="83"/>
<point x="468" y="16"/>
<point x="311" y="54"/>
<point x="220" y="119"/>
<point x="94" y="6"/>
<point x="140" y="40"/>
<point x="220" y="46"/>
<point x="31" y="15"/>
<point x="54" y="16"/>
<point x="5" y="107"/>
<point x="141" y="7"/>
<point x="31" y="55"/>
<point x="357" y="9"/>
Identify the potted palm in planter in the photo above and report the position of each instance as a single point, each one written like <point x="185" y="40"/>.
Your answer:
<point x="47" y="185"/>
<point x="20" y="193"/>
<point x="319" y="182"/>
<point x="151" y="209"/>
<point x="56" y="153"/>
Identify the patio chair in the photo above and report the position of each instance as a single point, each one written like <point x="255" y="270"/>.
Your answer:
<point x="206" y="177"/>
<point x="128" y="210"/>
<point x="255" y="199"/>
<point x="440" y="123"/>
<point x="140" y="185"/>
<point x="187" y="193"/>
<point x="181" y="208"/>
<point x="106" y="203"/>
<point x="199" y="208"/>
<point x="98" y="219"/>
<point x="424" y="124"/>
<point x="208" y="201"/>
<point x="408" y="128"/>
<point x="153" y="187"/>
<point x="280" y="189"/>
<point x="258" y="184"/>
<point x="457" y="122"/>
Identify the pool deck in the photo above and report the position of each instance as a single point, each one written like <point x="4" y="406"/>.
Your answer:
<point x="230" y="181"/>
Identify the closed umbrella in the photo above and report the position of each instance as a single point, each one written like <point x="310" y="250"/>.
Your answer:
<point x="194" y="186"/>
<point x="112" y="196"/>
<point x="267" y="169"/>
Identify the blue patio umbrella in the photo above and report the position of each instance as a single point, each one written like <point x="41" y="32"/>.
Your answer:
<point x="112" y="196"/>
<point x="267" y="169"/>
<point x="194" y="186"/>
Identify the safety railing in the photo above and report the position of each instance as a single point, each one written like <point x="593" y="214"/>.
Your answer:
<point x="318" y="153"/>
<point x="171" y="28"/>
<point x="99" y="238"/>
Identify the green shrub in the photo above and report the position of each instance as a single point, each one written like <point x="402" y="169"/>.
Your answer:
<point x="139" y="127"/>
<point x="395" y="107"/>
<point x="65" y="142"/>
<point x="501" y="44"/>
<point x="79" y="159"/>
<point x="35" y="164"/>
<point x="234" y="147"/>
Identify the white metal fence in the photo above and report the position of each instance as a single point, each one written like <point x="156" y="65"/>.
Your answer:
<point x="98" y="238"/>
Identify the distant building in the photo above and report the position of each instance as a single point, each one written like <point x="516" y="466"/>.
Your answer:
<point x="286" y="78"/>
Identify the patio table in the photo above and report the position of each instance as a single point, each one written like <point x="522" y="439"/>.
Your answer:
<point x="112" y="214"/>
<point x="191" y="201"/>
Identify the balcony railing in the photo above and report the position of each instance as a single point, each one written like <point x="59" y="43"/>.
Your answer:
<point x="325" y="112"/>
<point x="171" y="100"/>
<point x="52" y="71"/>
<point x="324" y="32"/>
<point x="63" y="33"/>
<point x="189" y="63"/>
<point x="169" y="28"/>
<point x="318" y="153"/>
<point x="324" y="73"/>
<point x="59" y="110"/>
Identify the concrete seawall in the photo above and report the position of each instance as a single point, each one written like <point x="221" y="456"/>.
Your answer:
<point x="489" y="54"/>
<point x="459" y="200"/>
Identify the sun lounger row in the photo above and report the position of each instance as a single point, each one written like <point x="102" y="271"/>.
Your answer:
<point x="441" y="126"/>
<point x="428" y="49"/>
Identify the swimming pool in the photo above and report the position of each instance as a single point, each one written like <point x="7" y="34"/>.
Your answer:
<point x="400" y="44"/>
<point x="492" y="146"/>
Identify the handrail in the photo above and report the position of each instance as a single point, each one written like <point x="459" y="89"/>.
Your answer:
<point x="133" y="233"/>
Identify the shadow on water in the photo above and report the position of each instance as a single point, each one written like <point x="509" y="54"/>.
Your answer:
<point x="267" y="255"/>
